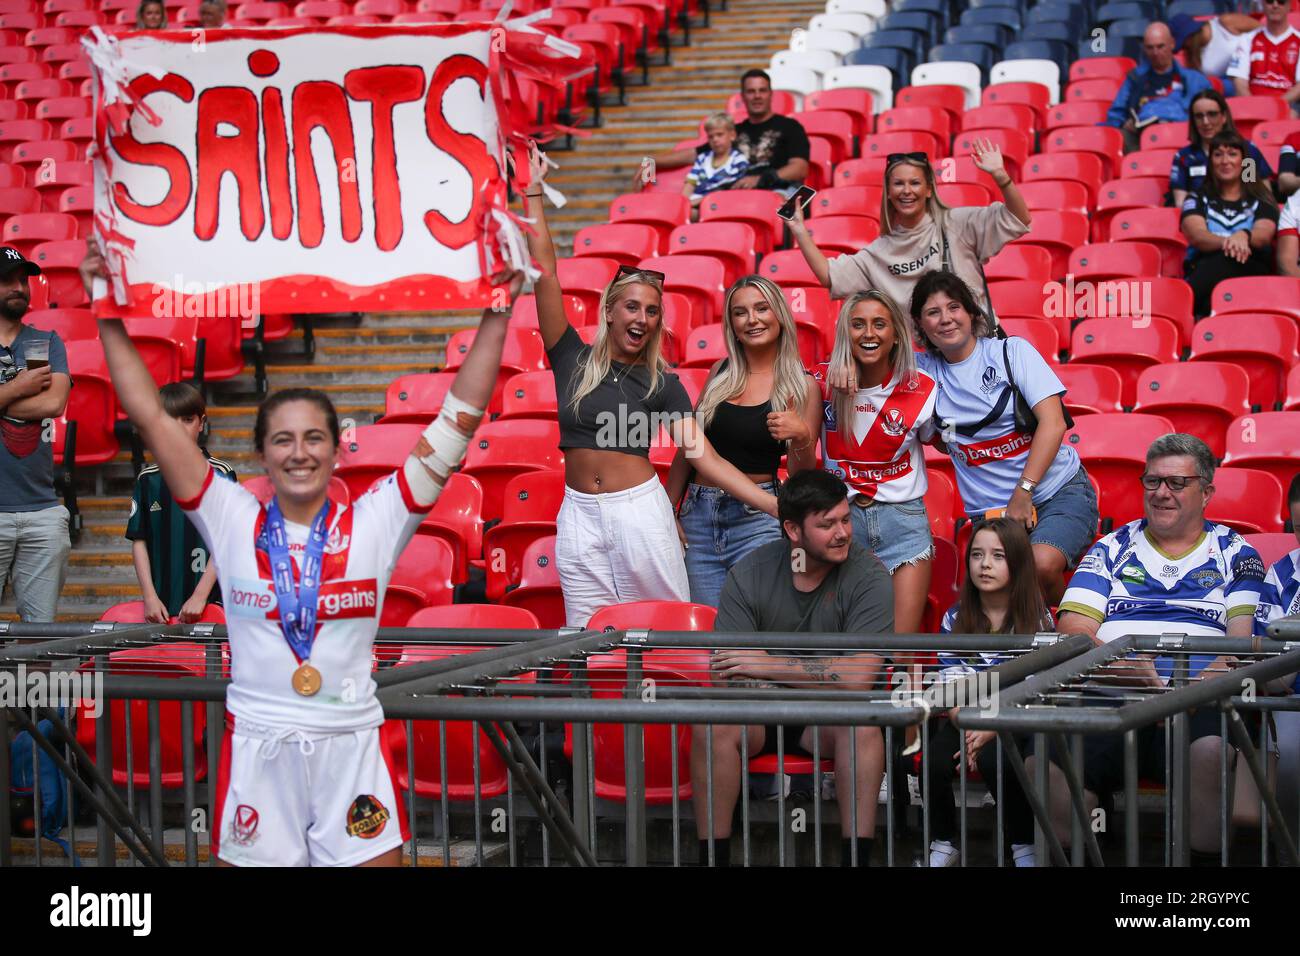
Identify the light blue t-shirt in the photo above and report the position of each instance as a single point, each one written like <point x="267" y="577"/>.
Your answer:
<point x="989" y="463"/>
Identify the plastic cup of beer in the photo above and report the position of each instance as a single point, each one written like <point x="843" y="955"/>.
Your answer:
<point x="37" y="354"/>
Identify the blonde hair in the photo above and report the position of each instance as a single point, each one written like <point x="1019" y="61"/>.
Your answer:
<point x="593" y="368"/>
<point x="934" y="205"/>
<point x="715" y="120"/>
<point x="902" y="357"/>
<point x="789" y="383"/>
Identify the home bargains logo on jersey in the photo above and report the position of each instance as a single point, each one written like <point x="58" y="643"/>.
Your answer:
<point x="994" y="449"/>
<point x="255" y="598"/>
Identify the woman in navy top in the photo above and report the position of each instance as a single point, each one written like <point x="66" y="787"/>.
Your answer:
<point x="1207" y="117"/>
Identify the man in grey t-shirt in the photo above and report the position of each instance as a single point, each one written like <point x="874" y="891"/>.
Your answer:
<point x="34" y="386"/>
<point x="817" y="580"/>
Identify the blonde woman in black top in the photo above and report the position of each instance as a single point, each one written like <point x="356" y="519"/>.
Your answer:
<point x="757" y="405"/>
<point x="616" y="539"/>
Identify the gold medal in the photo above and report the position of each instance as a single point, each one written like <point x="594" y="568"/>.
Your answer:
<point x="306" y="680"/>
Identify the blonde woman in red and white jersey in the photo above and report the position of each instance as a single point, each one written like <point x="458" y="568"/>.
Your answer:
<point x="303" y="779"/>
<point x="872" y="439"/>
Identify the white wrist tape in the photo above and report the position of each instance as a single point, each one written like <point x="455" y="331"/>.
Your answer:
<point x="449" y="434"/>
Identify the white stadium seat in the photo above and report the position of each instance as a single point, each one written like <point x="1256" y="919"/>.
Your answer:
<point x="859" y="24"/>
<point x="840" y="42"/>
<point x="872" y="8"/>
<point x="1046" y="72"/>
<point x="795" y="80"/>
<point x="819" y="61"/>
<point x="956" y="73"/>
<point x="877" y="79"/>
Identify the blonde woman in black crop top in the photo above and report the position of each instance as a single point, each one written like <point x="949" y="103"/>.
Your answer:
<point x="616" y="538"/>
<point x="757" y="405"/>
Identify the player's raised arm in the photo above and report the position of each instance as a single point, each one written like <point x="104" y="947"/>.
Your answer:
<point x="184" y="466"/>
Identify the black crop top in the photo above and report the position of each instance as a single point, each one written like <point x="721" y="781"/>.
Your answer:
<point x="616" y="416"/>
<point x="739" y="435"/>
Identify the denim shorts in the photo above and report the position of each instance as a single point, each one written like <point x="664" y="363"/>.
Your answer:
<point x="898" y="533"/>
<point x="720" y="530"/>
<point x="1068" y="520"/>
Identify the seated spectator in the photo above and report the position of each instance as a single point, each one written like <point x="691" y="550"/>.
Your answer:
<point x="1210" y="116"/>
<point x="1280" y="596"/>
<point x="837" y="586"/>
<point x="1288" y="166"/>
<point x="720" y="166"/>
<point x="920" y="235"/>
<point x="151" y="15"/>
<point x="1288" y="239"/>
<point x="1267" y="62"/>
<point x="776" y="147"/>
<point x="1229" y="224"/>
<point x="1157" y="91"/>
<point x="1000" y="596"/>
<point x="1170" y="570"/>
<point x="212" y="14"/>
<point x="1210" y="45"/>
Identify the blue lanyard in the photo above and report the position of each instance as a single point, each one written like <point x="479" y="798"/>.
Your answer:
<point x="297" y="604"/>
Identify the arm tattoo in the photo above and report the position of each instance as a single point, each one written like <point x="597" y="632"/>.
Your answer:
<point x="818" y="668"/>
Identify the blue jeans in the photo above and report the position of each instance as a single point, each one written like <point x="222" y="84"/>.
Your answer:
<point x="720" y="531"/>
<point x="896" y="533"/>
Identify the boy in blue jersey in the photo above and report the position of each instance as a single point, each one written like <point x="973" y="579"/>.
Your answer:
<point x="1170" y="572"/>
<point x="1280" y="595"/>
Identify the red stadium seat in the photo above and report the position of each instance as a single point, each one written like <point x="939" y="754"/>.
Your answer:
<point x="705" y="345"/>
<point x="835" y="127"/>
<point x="756" y="207"/>
<point x="1279" y="294"/>
<point x="421" y="578"/>
<point x="1291" y="402"/>
<point x="1126" y="346"/>
<point x="654" y="615"/>
<point x="1113" y="448"/>
<point x="1275" y="133"/>
<point x="416" y="399"/>
<point x="846" y="234"/>
<point x="857" y="103"/>
<point x="1078" y="113"/>
<point x="1084" y="168"/>
<point x="73" y="325"/>
<point x="17" y="132"/>
<point x="732" y="243"/>
<point x="493" y="616"/>
<point x="1248" y="111"/>
<point x="13" y="110"/>
<point x="1020" y="262"/>
<point x="1246" y="500"/>
<point x="1099" y="90"/>
<point x="1060" y="233"/>
<point x="625" y="242"/>
<point x="1267" y="441"/>
<point x="26" y="20"/>
<point x="25" y="232"/>
<point x="1272" y="548"/>
<point x="821" y="163"/>
<point x="386" y="9"/>
<point x="1019" y="116"/>
<point x="1115" y="260"/>
<point x="18" y="199"/>
<point x="1148" y="162"/>
<point x="931" y="119"/>
<point x="62" y="107"/>
<point x="945" y="572"/>
<point x="1015" y="145"/>
<point x="788" y="268"/>
<point x="1264" y="345"/>
<point x="529" y="395"/>
<point x="1200" y="399"/>
<point x="372" y="452"/>
<point x="321" y="9"/>
<point x="1066" y="195"/>
<point x="522" y="352"/>
<point x="60" y="261"/>
<point x="92" y="404"/>
<point x="172" y="661"/>
<point x="949" y="97"/>
<point x="940" y="503"/>
<point x="262" y="11"/>
<point x="16" y="54"/>
<point x="539" y="585"/>
<point x="1090" y="389"/>
<point x="503" y="449"/>
<point x="1105" y="142"/>
<point x="51" y="36"/>
<point x="702" y="279"/>
<point x="22" y="71"/>
<point x="1040" y="333"/>
<point x="524" y="313"/>
<point x="964" y="194"/>
<point x="860" y="172"/>
<point x="39" y="154"/>
<point x="663" y="211"/>
<point x="1028" y="298"/>
<point x="1100" y="68"/>
<point x="457" y="518"/>
<point x="880" y="145"/>
<point x="1119" y="195"/>
<point x="1169" y="298"/>
<point x="1033" y="95"/>
<point x="847" y="201"/>
<point x="1158" y="227"/>
<point x="1165" y="136"/>
<point x="529" y="509"/>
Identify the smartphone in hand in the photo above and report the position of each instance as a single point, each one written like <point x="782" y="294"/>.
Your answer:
<point x="801" y="198"/>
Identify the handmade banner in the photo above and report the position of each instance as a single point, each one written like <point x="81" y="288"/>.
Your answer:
<point x="324" y="169"/>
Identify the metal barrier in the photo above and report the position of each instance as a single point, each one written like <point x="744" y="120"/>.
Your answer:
<point x="594" y="731"/>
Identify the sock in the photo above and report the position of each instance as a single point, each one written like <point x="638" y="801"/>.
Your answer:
<point x="721" y="851"/>
<point x="864" y="851"/>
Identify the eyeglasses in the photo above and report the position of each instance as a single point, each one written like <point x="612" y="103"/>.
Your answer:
<point x="1173" y="482"/>
<point x="919" y="158"/>
<point x="1279" y="3"/>
<point x="1213" y="114"/>
<point x="633" y="271"/>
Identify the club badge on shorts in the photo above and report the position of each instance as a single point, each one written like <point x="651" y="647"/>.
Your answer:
<point x="243" y="825"/>
<point x="366" y="817"/>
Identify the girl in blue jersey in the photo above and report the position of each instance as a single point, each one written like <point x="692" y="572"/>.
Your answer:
<point x="1005" y="461"/>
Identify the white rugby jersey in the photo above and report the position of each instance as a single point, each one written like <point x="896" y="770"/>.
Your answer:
<point x="1280" y="595"/>
<point x="1130" y="586"/>
<point x="881" y="456"/>
<point x="365" y="540"/>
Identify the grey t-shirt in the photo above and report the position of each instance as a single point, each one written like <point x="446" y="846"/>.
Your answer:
<point x="26" y="458"/>
<point x="856" y="597"/>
